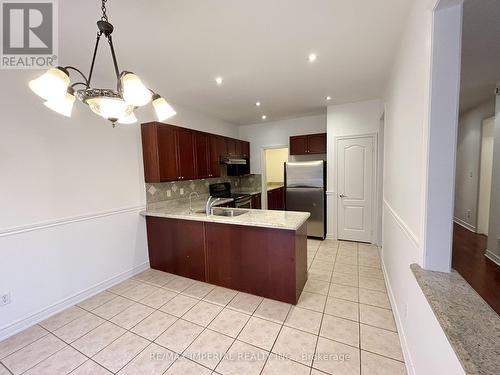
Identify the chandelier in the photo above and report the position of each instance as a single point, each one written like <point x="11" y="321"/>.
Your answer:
<point x="55" y="87"/>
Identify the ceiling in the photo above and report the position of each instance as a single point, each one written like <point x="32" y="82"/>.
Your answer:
<point x="480" y="52"/>
<point x="259" y="47"/>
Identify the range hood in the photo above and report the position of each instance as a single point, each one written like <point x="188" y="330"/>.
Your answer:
<point x="234" y="161"/>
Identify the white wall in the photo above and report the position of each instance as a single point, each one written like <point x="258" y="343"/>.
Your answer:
<point x="485" y="175"/>
<point x="277" y="133"/>
<point x="426" y="349"/>
<point x="493" y="250"/>
<point x="468" y="162"/>
<point x="70" y="195"/>
<point x="348" y="120"/>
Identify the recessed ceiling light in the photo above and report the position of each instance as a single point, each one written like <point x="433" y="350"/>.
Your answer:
<point x="264" y="117"/>
<point x="328" y="98"/>
<point x="312" y="57"/>
<point x="257" y="104"/>
<point x="218" y="80"/>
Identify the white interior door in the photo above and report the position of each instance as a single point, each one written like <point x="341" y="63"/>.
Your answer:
<point x="485" y="173"/>
<point x="355" y="188"/>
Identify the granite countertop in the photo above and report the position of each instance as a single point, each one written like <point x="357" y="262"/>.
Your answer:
<point x="274" y="185"/>
<point x="179" y="209"/>
<point x="471" y="325"/>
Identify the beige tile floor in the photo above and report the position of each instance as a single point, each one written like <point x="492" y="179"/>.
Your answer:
<point x="158" y="323"/>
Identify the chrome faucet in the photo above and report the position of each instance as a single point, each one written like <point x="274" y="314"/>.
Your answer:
<point x="210" y="203"/>
<point x="191" y="201"/>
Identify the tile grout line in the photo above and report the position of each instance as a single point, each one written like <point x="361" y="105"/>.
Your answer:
<point x="199" y="300"/>
<point x="323" y="313"/>
<point x="178" y="318"/>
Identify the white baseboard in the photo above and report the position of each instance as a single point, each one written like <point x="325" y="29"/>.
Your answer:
<point x="330" y="237"/>
<point x="43" y="314"/>
<point x="493" y="257"/>
<point x="464" y="224"/>
<point x="410" y="369"/>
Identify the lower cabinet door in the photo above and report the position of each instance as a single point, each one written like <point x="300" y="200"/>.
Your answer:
<point x="259" y="261"/>
<point x="177" y="246"/>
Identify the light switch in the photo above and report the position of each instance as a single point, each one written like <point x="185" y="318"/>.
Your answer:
<point x="169" y="193"/>
<point x="181" y="191"/>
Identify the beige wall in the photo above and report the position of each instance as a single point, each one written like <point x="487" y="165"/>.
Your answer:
<point x="274" y="164"/>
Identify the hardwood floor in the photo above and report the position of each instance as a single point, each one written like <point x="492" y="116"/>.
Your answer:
<point x="469" y="261"/>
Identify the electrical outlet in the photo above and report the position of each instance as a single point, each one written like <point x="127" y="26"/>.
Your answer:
<point x="467" y="214"/>
<point x="181" y="191"/>
<point x="169" y="193"/>
<point x="4" y="299"/>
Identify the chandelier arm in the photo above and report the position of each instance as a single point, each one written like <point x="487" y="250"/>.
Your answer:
<point x="79" y="83"/>
<point x="115" y="63"/>
<point x="80" y="72"/>
<point x="93" y="57"/>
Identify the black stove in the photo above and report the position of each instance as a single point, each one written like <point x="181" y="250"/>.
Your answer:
<point x="223" y="190"/>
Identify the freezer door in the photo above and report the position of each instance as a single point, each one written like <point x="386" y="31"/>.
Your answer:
<point x="305" y="174"/>
<point x="310" y="200"/>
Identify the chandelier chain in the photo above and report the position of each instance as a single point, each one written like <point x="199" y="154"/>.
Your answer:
<point x="103" y="8"/>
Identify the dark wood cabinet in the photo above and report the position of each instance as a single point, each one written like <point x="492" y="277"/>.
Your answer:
<point x="173" y="153"/>
<point x="186" y="154"/>
<point x="298" y="145"/>
<point x="167" y="154"/>
<point x="268" y="262"/>
<point x="239" y="148"/>
<point x="308" y="144"/>
<point x="202" y="151"/>
<point x="276" y="199"/>
<point x="257" y="201"/>
<point x="317" y="143"/>
<point x="222" y="146"/>
<point x="260" y="261"/>
<point x="177" y="246"/>
<point x="214" y="154"/>
<point x="232" y="146"/>
<point x="245" y="149"/>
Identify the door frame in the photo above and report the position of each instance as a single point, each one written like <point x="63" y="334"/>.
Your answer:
<point x="263" y="167"/>
<point x="375" y="182"/>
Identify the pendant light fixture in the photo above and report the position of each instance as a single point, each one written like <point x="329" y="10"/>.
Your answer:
<point x="55" y="87"/>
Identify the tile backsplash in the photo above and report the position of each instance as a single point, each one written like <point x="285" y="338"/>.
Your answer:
<point x="181" y="189"/>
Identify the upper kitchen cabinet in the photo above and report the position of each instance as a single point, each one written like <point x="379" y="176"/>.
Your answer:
<point x="202" y="151"/>
<point x="214" y="154"/>
<point x="232" y="146"/>
<point x="308" y="144"/>
<point x="222" y="146"/>
<point x="298" y="145"/>
<point x="245" y="149"/>
<point x="317" y="143"/>
<point x="172" y="153"/>
<point x="186" y="154"/>
<point x="159" y="151"/>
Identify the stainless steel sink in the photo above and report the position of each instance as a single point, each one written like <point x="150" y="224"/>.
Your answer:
<point x="228" y="212"/>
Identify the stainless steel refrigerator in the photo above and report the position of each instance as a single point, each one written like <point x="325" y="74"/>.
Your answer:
<point x="305" y="190"/>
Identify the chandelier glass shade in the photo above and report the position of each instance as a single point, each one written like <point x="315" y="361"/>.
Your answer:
<point x="62" y="105"/>
<point x="115" y="105"/>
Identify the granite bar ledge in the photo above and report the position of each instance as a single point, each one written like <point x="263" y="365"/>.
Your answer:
<point x="470" y="324"/>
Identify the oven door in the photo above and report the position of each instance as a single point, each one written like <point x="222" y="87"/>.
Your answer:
<point x="244" y="203"/>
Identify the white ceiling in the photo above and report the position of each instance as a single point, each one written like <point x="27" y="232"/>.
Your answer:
<point x="260" y="47"/>
<point x="480" y="52"/>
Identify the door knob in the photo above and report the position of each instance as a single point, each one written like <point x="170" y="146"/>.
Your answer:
<point x="342" y="196"/>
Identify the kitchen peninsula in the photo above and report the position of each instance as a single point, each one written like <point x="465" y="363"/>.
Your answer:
<point x="259" y="251"/>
